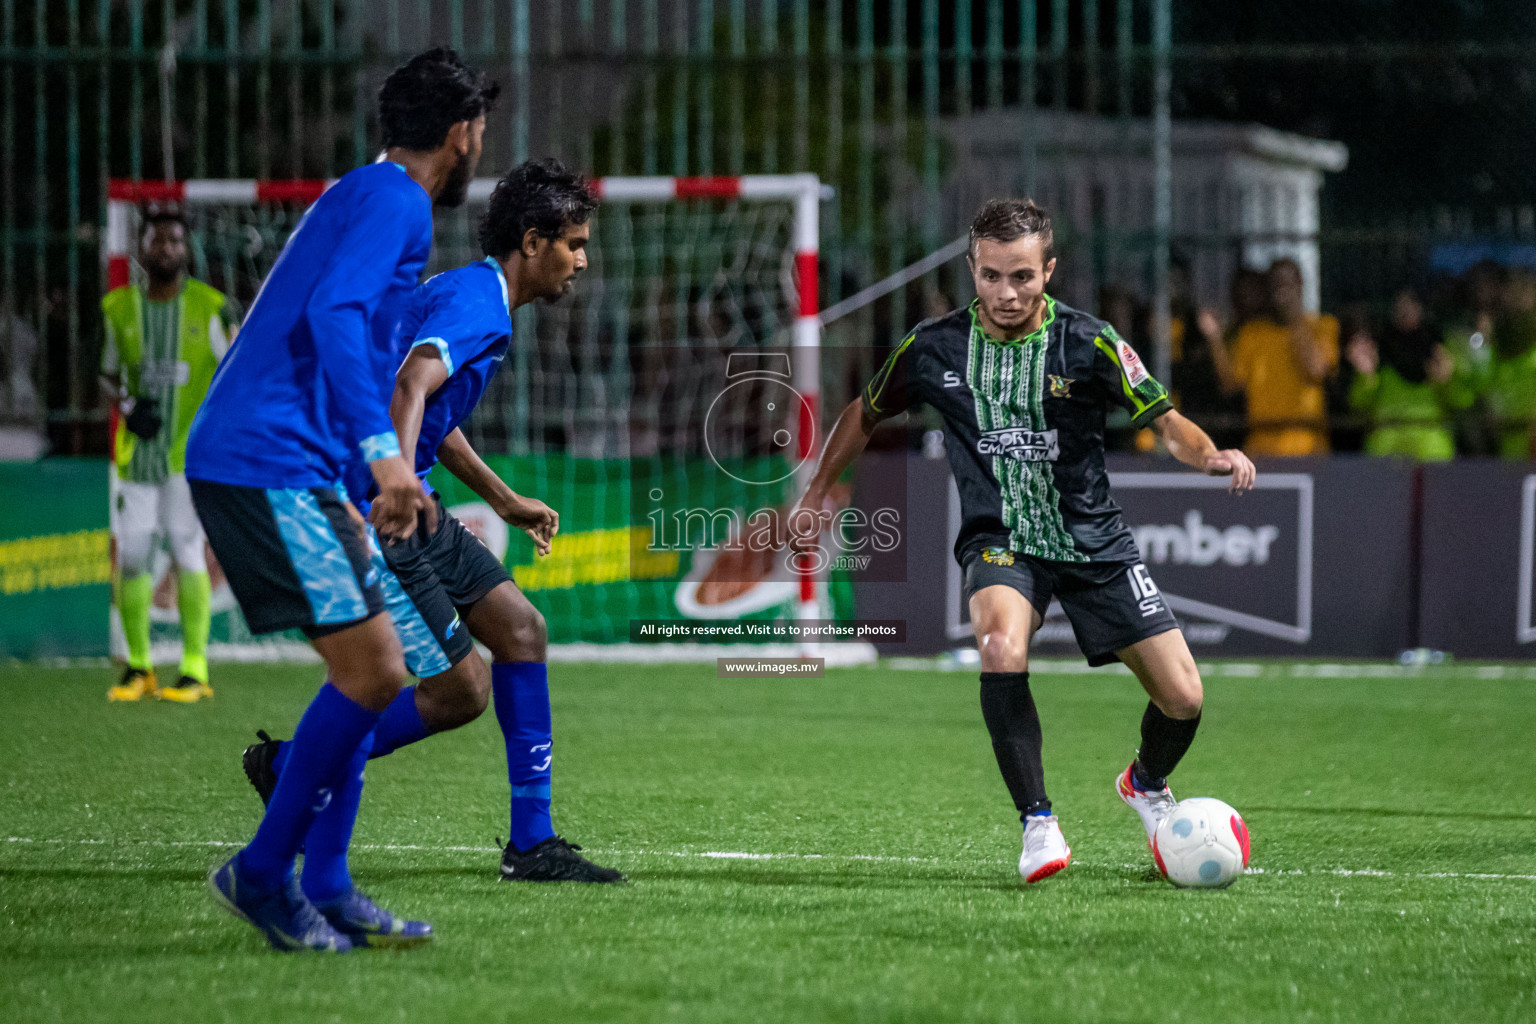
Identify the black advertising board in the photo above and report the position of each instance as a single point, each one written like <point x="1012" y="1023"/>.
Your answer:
<point x="1316" y="561"/>
<point x="1479" y="544"/>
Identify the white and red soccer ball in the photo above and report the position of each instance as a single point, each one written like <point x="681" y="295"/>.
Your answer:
<point x="1201" y="844"/>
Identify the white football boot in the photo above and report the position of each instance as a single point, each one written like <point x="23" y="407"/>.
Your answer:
<point x="1153" y="805"/>
<point x="1045" y="850"/>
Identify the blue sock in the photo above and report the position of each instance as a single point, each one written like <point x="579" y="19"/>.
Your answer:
<point x="1143" y="783"/>
<point x="325" y="874"/>
<point x="327" y="737"/>
<point x="1044" y="812"/>
<point x="400" y="725"/>
<point x="521" y="690"/>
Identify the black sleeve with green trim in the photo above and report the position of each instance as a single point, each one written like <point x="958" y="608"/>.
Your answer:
<point x="889" y="391"/>
<point x="1126" y="380"/>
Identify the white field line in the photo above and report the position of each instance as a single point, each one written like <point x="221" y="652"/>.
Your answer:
<point x="745" y="855"/>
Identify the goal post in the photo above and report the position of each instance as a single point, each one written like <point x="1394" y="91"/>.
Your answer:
<point x="713" y="266"/>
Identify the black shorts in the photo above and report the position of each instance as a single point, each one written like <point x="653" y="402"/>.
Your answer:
<point x="295" y="558"/>
<point x="1111" y="605"/>
<point x="428" y="581"/>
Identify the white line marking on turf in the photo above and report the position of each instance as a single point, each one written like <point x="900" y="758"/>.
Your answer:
<point x="747" y="855"/>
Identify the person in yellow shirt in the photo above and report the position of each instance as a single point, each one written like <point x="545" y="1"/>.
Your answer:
<point x="1282" y="361"/>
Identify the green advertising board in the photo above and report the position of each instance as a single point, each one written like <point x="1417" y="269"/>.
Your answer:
<point x="55" y="558"/>
<point x="638" y="539"/>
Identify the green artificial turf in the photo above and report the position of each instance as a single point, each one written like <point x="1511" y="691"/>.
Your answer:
<point x="1393" y="819"/>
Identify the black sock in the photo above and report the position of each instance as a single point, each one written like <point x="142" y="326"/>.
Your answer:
<point x="1163" y="743"/>
<point x="1009" y="710"/>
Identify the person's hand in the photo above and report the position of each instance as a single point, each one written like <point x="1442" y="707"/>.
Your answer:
<point x="1440" y="366"/>
<point x="143" y="418"/>
<point x="536" y="519"/>
<point x="1209" y="326"/>
<point x="400" y="500"/>
<point x="1232" y="462"/>
<point x="1362" y="355"/>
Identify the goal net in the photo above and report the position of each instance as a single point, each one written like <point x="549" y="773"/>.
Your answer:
<point x="673" y="396"/>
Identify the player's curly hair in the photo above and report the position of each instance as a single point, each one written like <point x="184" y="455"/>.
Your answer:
<point x="543" y="195"/>
<point x="429" y="94"/>
<point x="1007" y="220"/>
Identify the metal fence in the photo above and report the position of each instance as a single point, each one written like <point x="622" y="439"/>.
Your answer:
<point x="886" y="100"/>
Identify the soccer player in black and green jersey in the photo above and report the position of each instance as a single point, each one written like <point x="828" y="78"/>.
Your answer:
<point x="1023" y="383"/>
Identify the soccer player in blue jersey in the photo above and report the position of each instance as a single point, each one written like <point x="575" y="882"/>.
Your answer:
<point x="303" y="392"/>
<point x="442" y="585"/>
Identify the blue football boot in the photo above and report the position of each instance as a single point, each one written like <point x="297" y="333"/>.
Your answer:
<point x="284" y="915"/>
<point x="365" y="923"/>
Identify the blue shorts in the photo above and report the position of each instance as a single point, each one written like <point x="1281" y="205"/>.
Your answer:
<point x="297" y="558"/>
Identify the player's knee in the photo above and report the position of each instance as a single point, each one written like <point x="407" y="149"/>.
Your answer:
<point x="1003" y="650"/>
<point x="460" y="695"/>
<point x="390" y="672"/>
<point x="478" y="697"/>
<point x="188" y="553"/>
<point x="385" y="666"/>
<point x="526" y="639"/>
<point x="1184" y="698"/>
<point x="134" y="553"/>
<point x="372" y="681"/>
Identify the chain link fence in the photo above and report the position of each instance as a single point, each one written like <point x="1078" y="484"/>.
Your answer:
<point x="912" y="110"/>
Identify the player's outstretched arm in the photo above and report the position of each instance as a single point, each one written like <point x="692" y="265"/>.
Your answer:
<point x="1193" y="447"/>
<point x="850" y="434"/>
<point x="532" y="516"/>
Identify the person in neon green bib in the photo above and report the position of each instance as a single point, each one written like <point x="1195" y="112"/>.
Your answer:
<point x="1509" y="387"/>
<point x="1408" y="385"/>
<point x="163" y="342"/>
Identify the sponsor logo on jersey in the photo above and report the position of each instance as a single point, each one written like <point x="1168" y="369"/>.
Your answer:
<point x="1019" y="443"/>
<point x="952" y="379"/>
<point x="997" y="556"/>
<point x="1061" y="387"/>
<point x="1130" y="363"/>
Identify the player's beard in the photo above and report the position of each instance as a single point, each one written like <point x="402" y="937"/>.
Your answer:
<point x="456" y="188"/>
<point x="163" y="272"/>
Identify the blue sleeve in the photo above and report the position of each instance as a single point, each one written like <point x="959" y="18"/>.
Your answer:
<point x="361" y="271"/>
<point x="454" y="325"/>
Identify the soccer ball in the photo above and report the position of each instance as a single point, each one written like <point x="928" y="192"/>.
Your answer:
<point x="1202" y="844"/>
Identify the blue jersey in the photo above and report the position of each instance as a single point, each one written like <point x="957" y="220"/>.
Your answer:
<point x="305" y="388"/>
<point x="465" y="316"/>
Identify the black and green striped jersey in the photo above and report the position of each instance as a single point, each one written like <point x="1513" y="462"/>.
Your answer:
<point x="1024" y="427"/>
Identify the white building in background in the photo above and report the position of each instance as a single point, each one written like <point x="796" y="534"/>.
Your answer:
<point x="1242" y="194"/>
